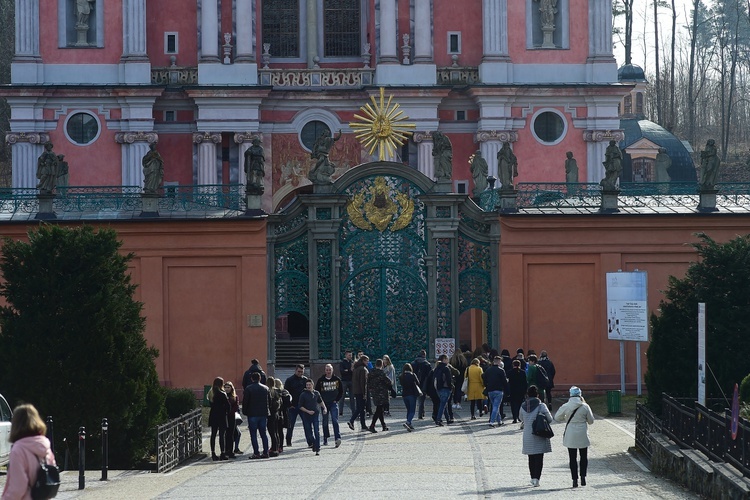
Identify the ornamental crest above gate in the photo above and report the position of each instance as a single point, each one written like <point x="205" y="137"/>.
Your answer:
<point x="380" y="208"/>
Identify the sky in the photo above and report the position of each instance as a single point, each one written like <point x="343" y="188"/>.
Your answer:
<point x="643" y="31"/>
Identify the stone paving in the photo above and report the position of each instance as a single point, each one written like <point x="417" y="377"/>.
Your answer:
<point x="465" y="460"/>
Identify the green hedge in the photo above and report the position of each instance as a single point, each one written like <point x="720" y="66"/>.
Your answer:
<point x="179" y="402"/>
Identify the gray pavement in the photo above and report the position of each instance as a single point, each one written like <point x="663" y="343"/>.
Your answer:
<point x="465" y="460"/>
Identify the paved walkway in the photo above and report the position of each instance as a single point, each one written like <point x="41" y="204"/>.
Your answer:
<point x="465" y="460"/>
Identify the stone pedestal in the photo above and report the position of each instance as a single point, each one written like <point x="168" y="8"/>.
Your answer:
<point x="149" y="205"/>
<point x="323" y="188"/>
<point x="46" y="212"/>
<point x="253" y="203"/>
<point x="82" y="31"/>
<point x="609" y="202"/>
<point x="443" y="186"/>
<point x="707" y="201"/>
<point x="508" y="200"/>
<point x="548" y="32"/>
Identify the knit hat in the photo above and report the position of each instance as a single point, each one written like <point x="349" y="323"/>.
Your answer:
<point x="575" y="392"/>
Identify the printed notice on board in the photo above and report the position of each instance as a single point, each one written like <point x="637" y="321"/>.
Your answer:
<point x="627" y="307"/>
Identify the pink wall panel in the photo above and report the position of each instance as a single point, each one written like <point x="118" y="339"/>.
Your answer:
<point x="177" y="151"/>
<point x="185" y="24"/>
<point x="578" y="29"/>
<point x="465" y="17"/>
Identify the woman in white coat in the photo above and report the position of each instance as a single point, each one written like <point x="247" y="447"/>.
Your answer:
<point x="534" y="446"/>
<point x="578" y="416"/>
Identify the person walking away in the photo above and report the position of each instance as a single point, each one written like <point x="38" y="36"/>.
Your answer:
<point x="254" y="367"/>
<point x="30" y="447"/>
<point x="443" y="385"/>
<point x="422" y="369"/>
<point x="497" y="385"/>
<point x="310" y="405"/>
<point x="346" y="366"/>
<point x="390" y="372"/>
<point x="578" y="416"/>
<point x="295" y="385"/>
<point x="517" y="386"/>
<point x="359" y="389"/>
<point x="256" y="403"/>
<point x="218" y="417"/>
<point x="475" y="389"/>
<point x="274" y="407"/>
<point x="380" y="386"/>
<point x="331" y="390"/>
<point x="458" y="361"/>
<point x="536" y="375"/>
<point x="232" y="437"/>
<point x="549" y="367"/>
<point x="410" y="391"/>
<point x="282" y="418"/>
<point x="534" y="446"/>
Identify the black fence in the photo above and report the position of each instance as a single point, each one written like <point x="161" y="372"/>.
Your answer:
<point x="178" y="440"/>
<point x="692" y="425"/>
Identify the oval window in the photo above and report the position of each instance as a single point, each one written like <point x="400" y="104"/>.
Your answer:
<point x="82" y="128"/>
<point x="549" y="127"/>
<point x="311" y="131"/>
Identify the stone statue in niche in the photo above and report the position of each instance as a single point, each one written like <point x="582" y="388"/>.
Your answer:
<point x="83" y="11"/>
<point x="442" y="154"/>
<point x="571" y="168"/>
<point x="255" y="168"/>
<point x="547" y="11"/>
<point x="323" y="170"/>
<point x="479" y="171"/>
<point x="507" y="167"/>
<point x="46" y="170"/>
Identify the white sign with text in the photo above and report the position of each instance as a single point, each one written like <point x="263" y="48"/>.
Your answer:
<point x="627" y="306"/>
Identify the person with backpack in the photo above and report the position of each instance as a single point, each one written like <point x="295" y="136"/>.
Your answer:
<point x="30" y="448"/>
<point x="549" y="366"/>
<point x="578" y="416"/>
<point x="537" y="375"/>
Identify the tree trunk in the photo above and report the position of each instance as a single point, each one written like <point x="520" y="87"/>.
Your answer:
<point x="671" y="124"/>
<point x="691" y="74"/>
<point x="659" y="116"/>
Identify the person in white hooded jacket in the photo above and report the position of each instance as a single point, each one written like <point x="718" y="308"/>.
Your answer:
<point x="30" y="446"/>
<point x="578" y="416"/>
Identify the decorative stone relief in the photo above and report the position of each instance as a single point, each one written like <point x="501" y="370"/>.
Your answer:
<point x="496" y="135"/>
<point x="603" y="135"/>
<point x="30" y="137"/>
<point x="199" y="137"/>
<point x="131" y="137"/>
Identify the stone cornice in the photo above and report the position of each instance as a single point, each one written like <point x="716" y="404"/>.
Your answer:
<point x="30" y="137"/>
<point x="496" y="135"/>
<point x="200" y="137"/>
<point x="603" y="135"/>
<point x="131" y="137"/>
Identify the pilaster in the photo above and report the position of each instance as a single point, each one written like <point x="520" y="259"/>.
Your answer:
<point x="210" y="31"/>
<point x="134" y="30"/>
<point x="245" y="35"/>
<point x="425" y="162"/>
<point x="388" y="40"/>
<point x="422" y="32"/>
<point x="207" y="173"/>
<point x="596" y="146"/>
<point x="26" y="149"/>
<point x="490" y="142"/>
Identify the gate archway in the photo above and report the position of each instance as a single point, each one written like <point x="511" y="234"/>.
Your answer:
<point x="385" y="260"/>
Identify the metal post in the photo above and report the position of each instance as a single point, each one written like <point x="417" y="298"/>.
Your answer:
<point x="51" y="434"/>
<point x="638" y="366"/>
<point x="622" y="367"/>
<point x="105" y="448"/>
<point x="81" y="458"/>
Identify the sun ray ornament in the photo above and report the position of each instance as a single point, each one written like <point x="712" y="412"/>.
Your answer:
<point x="381" y="126"/>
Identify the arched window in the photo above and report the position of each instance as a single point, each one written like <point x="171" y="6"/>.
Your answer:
<point x="341" y="28"/>
<point x="639" y="103"/>
<point x="628" y="104"/>
<point x="281" y="27"/>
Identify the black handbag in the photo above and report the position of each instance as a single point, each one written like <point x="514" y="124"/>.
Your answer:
<point x="540" y="427"/>
<point x="47" y="482"/>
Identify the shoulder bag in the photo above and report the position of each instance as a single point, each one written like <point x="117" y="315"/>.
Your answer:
<point x="465" y="384"/>
<point x="47" y="481"/>
<point x="540" y="427"/>
<point x="569" y="419"/>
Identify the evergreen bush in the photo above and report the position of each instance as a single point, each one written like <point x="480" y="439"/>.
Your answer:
<point x="71" y="341"/>
<point x="179" y="402"/>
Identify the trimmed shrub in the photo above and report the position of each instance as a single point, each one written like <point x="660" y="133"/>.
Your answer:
<point x="179" y="402"/>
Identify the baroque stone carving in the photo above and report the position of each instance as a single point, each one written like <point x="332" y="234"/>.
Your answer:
<point x="496" y="135"/>
<point x="603" y="135"/>
<point x="131" y="137"/>
<point x="199" y="137"/>
<point x="30" y="137"/>
<point x="242" y="137"/>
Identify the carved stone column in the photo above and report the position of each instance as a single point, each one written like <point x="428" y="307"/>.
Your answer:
<point x="245" y="35"/>
<point x="600" y="31"/>
<point x="490" y="142"/>
<point x="27" y="147"/>
<point x="494" y="30"/>
<point x="425" y="163"/>
<point x="596" y="146"/>
<point x="388" y="40"/>
<point x="422" y="32"/>
<point x="134" y="30"/>
<point x="210" y="31"/>
<point x="27" y="30"/>
<point x="134" y="148"/>
<point x="207" y="168"/>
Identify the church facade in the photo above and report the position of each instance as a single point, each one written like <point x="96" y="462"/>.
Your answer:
<point x="201" y="78"/>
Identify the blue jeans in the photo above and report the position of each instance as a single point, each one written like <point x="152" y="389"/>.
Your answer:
<point x="411" y="407"/>
<point x="292" y="413"/>
<point x="256" y="425"/>
<point x="444" y="395"/>
<point x="312" y="430"/>
<point x="333" y="412"/>
<point x="496" y="399"/>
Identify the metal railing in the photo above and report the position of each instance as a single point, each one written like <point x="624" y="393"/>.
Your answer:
<point x="558" y="194"/>
<point x="178" y="440"/>
<point x="696" y="427"/>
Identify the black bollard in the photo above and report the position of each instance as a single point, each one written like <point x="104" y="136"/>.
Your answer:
<point x="51" y="434"/>
<point x="105" y="448"/>
<point x="81" y="458"/>
<point x="66" y="465"/>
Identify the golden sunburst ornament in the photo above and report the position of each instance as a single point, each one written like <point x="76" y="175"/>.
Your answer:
<point x="382" y="126"/>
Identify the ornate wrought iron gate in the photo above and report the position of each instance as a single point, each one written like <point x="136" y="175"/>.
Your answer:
<point x="383" y="261"/>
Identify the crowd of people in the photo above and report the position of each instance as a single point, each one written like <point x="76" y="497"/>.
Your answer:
<point x="484" y="379"/>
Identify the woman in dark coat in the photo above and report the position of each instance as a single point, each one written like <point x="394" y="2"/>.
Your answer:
<point x="517" y="387"/>
<point x="218" y="417"/>
<point x="534" y="446"/>
<point x="380" y="387"/>
<point x="232" y="437"/>
<point x="410" y="393"/>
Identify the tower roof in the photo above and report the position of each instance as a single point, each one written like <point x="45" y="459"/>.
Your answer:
<point x="631" y="72"/>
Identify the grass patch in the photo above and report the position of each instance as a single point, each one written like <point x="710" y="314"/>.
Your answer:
<point x="598" y="404"/>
